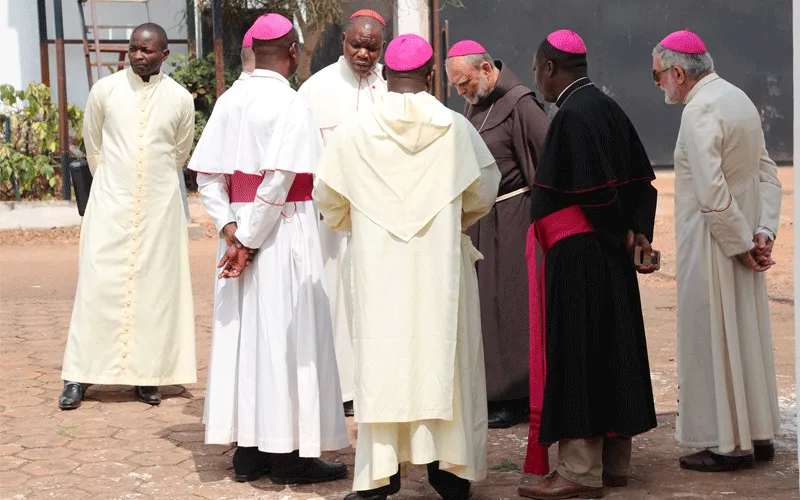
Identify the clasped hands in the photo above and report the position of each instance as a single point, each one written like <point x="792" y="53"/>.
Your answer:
<point x="759" y="258"/>
<point x="237" y="257"/>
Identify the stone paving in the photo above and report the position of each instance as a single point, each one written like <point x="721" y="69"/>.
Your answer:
<point x="114" y="447"/>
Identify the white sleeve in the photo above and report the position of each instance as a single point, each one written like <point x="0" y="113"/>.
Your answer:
<point x="257" y="220"/>
<point x="480" y="196"/>
<point x="770" y="192"/>
<point x="725" y="220"/>
<point x="213" y="189"/>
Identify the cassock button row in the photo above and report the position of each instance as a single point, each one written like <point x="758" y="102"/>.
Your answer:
<point x="125" y="355"/>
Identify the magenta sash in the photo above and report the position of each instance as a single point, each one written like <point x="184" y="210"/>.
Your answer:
<point x="548" y="231"/>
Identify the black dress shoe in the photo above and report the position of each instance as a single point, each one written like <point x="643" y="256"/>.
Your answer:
<point x="764" y="452"/>
<point x="348" y="409"/>
<point x="706" y="461"/>
<point x="250" y="464"/>
<point x="448" y="485"/>
<point x="503" y="418"/>
<point x="290" y="468"/>
<point x="148" y="394"/>
<point x="71" y="396"/>
<point x="378" y="493"/>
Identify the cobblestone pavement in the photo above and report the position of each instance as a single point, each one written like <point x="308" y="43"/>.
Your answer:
<point x="116" y="448"/>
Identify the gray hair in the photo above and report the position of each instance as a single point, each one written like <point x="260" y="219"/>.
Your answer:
<point x="695" y="65"/>
<point x="475" y="60"/>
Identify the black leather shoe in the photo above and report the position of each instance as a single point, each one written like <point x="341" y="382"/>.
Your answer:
<point x="504" y="418"/>
<point x="764" y="452"/>
<point x="71" y="396"/>
<point x="148" y="394"/>
<point x="348" y="409"/>
<point x="448" y="485"/>
<point x="378" y="493"/>
<point x="250" y="464"/>
<point x="290" y="468"/>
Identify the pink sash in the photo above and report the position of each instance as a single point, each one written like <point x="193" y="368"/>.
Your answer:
<point x="548" y="231"/>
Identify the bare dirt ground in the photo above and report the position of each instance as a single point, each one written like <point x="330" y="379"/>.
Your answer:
<point x="116" y="448"/>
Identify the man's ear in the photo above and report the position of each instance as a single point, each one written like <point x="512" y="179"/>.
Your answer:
<point x="430" y="79"/>
<point x="549" y="68"/>
<point x="384" y="73"/>
<point x="680" y="75"/>
<point x="344" y="37"/>
<point x="164" y="55"/>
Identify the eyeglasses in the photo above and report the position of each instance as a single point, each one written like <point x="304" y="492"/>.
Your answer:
<point x="657" y="74"/>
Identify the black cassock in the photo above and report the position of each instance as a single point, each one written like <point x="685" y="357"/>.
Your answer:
<point x="597" y="370"/>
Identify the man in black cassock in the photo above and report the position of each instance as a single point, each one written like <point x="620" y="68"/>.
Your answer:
<point x="593" y="202"/>
<point x="513" y="124"/>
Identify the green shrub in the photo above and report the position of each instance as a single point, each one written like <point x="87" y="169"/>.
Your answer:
<point x="29" y="157"/>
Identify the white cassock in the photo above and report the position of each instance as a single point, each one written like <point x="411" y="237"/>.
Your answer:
<point x="406" y="179"/>
<point x="273" y="380"/>
<point x="726" y="190"/>
<point x="334" y="93"/>
<point x="133" y="318"/>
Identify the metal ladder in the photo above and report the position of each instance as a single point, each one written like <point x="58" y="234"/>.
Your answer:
<point x="93" y="44"/>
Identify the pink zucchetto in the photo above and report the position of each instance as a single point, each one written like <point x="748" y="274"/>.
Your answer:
<point x="684" y="42"/>
<point x="369" y="13"/>
<point x="270" y="27"/>
<point x="247" y="41"/>
<point x="567" y="41"/>
<point x="408" y="52"/>
<point x="466" y="48"/>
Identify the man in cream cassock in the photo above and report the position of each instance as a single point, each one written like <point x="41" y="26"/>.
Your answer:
<point x="273" y="386"/>
<point x="727" y="206"/>
<point x="337" y="91"/>
<point x="133" y="319"/>
<point x="406" y="178"/>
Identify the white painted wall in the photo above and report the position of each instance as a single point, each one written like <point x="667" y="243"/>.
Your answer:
<point x="19" y="39"/>
<point x="413" y="16"/>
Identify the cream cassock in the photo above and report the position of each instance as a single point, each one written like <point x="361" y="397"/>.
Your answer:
<point x="334" y="93"/>
<point x="726" y="190"/>
<point x="406" y="179"/>
<point x="133" y="319"/>
<point x="273" y="381"/>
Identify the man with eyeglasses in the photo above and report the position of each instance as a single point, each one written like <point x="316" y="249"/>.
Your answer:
<point x="282" y="406"/>
<point x="353" y="83"/>
<point x="727" y="208"/>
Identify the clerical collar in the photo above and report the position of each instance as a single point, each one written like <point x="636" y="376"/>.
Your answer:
<point x="151" y="81"/>
<point x="572" y="87"/>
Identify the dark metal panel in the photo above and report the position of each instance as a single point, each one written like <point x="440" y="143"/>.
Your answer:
<point x="751" y="42"/>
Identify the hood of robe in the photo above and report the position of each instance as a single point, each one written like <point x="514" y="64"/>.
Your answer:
<point x="411" y="120"/>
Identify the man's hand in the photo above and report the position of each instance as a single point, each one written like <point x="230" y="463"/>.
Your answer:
<point x="763" y="246"/>
<point x="752" y="260"/>
<point x="640" y="240"/>
<point x="237" y="257"/>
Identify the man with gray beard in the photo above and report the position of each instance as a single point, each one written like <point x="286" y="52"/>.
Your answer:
<point x="727" y="206"/>
<point x="513" y="124"/>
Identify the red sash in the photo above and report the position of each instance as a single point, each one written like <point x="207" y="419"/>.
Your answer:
<point x="548" y="231"/>
<point x="243" y="187"/>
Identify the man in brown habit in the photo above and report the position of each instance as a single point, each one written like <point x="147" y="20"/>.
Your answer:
<point x="513" y="124"/>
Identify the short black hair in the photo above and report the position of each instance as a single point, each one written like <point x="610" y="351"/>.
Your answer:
<point x="562" y="60"/>
<point x="420" y="73"/>
<point x="161" y="34"/>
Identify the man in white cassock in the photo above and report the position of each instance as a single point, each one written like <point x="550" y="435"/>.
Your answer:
<point x="133" y="320"/>
<point x="273" y="386"/>
<point x="406" y="179"/>
<point x="335" y="92"/>
<point x="727" y="207"/>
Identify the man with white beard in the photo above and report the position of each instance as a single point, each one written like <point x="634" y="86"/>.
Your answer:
<point x="513" y="124"/>
<point x="727" y="207"/>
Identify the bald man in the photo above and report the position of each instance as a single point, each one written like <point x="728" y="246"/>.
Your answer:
<point x="351" y="84"/>
<point x="133" y="319"/>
